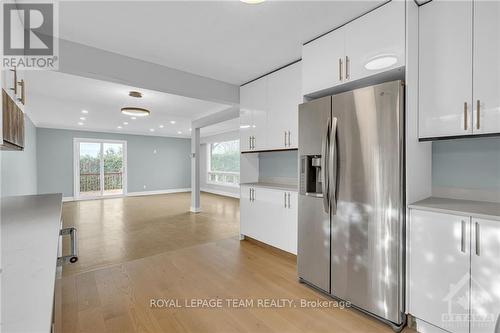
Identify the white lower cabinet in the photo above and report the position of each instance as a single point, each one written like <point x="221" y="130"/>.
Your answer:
<point x="485" y="272"/>
<point x="269" y="216"/>
<point x="454" y="271"/>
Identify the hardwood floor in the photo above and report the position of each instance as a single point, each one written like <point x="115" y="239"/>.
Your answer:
<point x="204" y="260"/>
<point x="113" y="231"/>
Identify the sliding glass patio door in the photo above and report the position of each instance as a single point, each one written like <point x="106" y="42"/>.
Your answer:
<point x="100" y="168"/>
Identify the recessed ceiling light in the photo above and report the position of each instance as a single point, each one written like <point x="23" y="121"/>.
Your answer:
<point x="135" y="111"/>
<point x="151" y="129"/>
<point x="172" y="122"/>
<point x="85" y="111"/>
<point x="244" y="126"/>
<point x="161" y="126"/>
<point x="252" y="2"/>
<point x="179" y="132"/>
<point x="125" y="123"/>
<point x="80" y="123"/>
<point x="381" y="62"/>
<point x="190" y="129"/>
<point x="133" y="118"/>
<point x="119" y="127"/>
<point x="82" y="118"/>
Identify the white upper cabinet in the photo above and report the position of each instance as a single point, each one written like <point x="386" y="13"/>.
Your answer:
<point x="486" y="67"/>
<point x="459" y="68"/>
<point x="371" y="44"/>
<point x="445" y="69"/>
<point x="253" y="114"/>
<point x="269" y="110"/>
<point x="284" y="94"/>
<point x="323" y="62"/>
<point x="375" y="42"/>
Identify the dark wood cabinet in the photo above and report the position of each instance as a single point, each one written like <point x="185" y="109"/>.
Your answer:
<point x="12" y="124"/>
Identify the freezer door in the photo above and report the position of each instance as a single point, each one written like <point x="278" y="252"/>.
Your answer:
<point x="313" y="253"/>
<point x="367" y="226"/>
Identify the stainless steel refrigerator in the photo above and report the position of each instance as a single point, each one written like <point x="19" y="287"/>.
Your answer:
<point x="351" y="202"/>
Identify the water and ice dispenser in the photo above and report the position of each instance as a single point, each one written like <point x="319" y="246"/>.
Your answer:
<point x="311" y="175"/>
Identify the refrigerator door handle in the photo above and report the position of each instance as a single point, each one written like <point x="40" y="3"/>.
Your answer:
<point x="325" y="146"/>
<point x="332" y="166"/>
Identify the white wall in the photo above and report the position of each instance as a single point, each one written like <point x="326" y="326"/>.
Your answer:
<point x="217" y="189"/>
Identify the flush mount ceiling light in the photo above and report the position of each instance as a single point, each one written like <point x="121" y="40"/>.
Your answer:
<point x="135" y="110"/>
<point x="381" y="62"/>
<point x="252" y="2"/>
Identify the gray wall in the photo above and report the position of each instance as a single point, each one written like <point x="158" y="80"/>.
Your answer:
<point x="18" y="171"/>
<point x="168" y="168"/>
<point x="468" y="168"/>
<point x="278" y="164"/>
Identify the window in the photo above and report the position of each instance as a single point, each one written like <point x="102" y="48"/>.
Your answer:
<point x="224" y="163"/>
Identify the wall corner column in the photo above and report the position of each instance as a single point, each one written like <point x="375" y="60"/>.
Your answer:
<point x="195" y="170"/>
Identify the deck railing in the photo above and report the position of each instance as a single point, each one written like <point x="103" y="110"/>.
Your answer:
<point x="224" y="178"/>
<point x="89" y="182"/>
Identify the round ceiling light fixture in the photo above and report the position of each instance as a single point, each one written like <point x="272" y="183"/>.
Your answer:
<point x="252" y="2"/>
<point x="381" y="62"/>
<point x="135" y="111"/>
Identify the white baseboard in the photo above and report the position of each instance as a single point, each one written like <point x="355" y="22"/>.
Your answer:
<point x="173" y="190"/>
<point x="224" y="193"/>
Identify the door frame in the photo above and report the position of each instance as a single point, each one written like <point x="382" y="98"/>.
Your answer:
<point x="76" y="168"/>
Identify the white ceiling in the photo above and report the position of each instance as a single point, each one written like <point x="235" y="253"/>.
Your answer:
<point x="226" y="40"/>
<point x="56" y="100"/>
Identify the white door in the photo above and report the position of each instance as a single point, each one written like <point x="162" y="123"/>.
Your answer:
<point x="376" y="41"/>
<point x="439" y="253"/>
<point x="486" y="67"/>
<point x="445" y="69"/>
<point x="246" y="119"/>
<point x="270" y="207"/>
<point x="253" y="99"/>
<point x="323" y="62"/>
<point x="246" y="211"/>
<point x="284" y="96"/>
<point x="291" y="222"/>
<point x="485" y="272"/>
<point x="99" y="168"/>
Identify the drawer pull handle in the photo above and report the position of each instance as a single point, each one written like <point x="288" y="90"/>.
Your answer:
<point x="73" y="256"/>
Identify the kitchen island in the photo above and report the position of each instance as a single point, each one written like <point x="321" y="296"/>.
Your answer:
<point x="30" y="228"/>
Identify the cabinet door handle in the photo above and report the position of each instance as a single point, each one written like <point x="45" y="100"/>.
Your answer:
<point x="288" y="199"/>
<point x="253" y="142"/>
<point x="340" y="69"/>
<point x="22" y="84"/>
<point x="289" y="140"/>
<point x="462" y="241"/>
<point x="15" y="80"/>
<point x="347" y="68"/>
<point x="478" y="239"/>
<point x="284" y="195"/>
<point x="285" y="138"/>
<point x="465" y="116"/>
<point x="478" y="123"/>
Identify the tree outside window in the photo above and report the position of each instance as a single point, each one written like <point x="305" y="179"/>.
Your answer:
<point x="224" y="163"/>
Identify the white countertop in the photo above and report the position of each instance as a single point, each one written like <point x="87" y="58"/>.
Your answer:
<point x="30" y="235"/>
<point x="479" y="209"/>
<point x="274" y="186"/>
